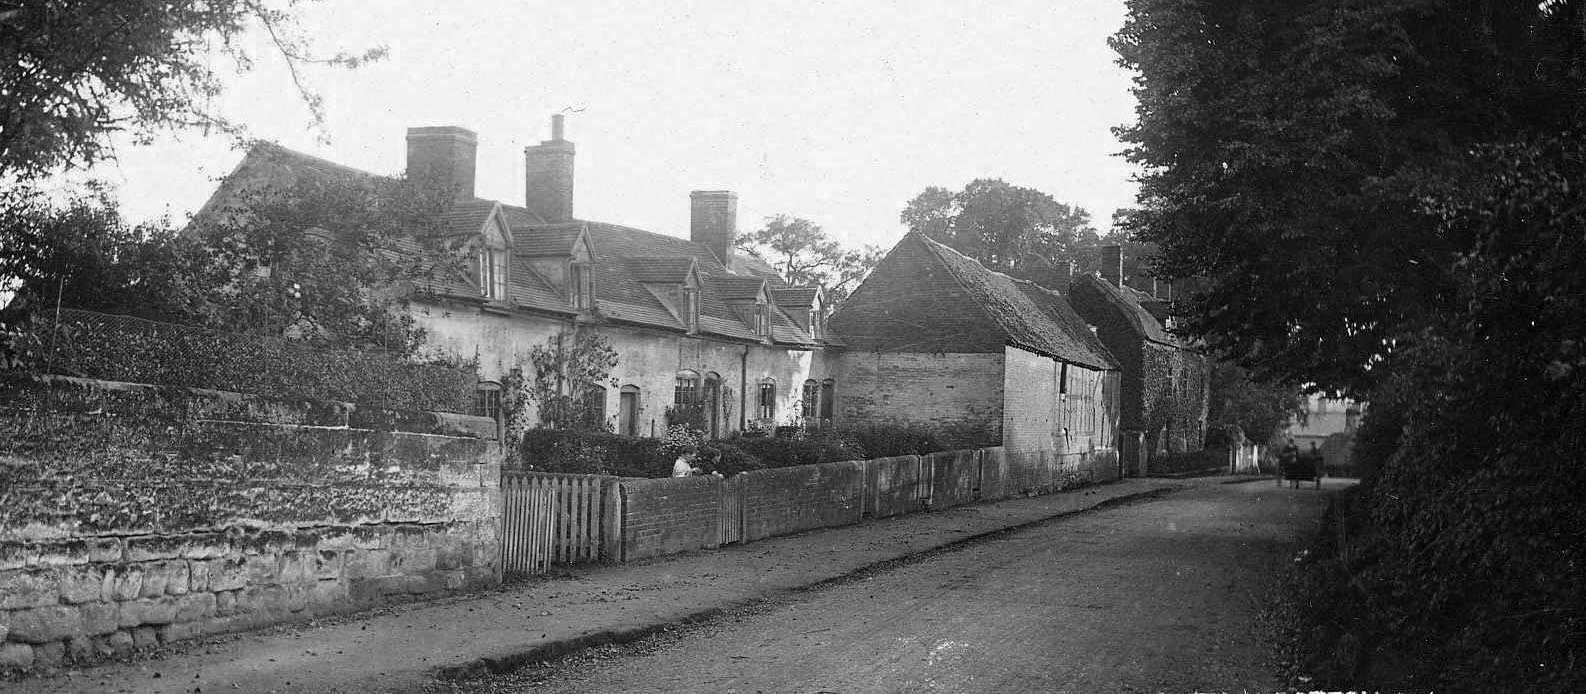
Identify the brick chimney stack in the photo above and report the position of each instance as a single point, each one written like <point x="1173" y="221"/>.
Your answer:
<point x="713" y="221"/>
<point x="548" y="176"/>
<point x="444" y="154"/>
<point x="1112" y="265"/>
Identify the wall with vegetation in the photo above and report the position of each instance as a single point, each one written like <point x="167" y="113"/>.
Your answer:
<point x="132" y="515"/>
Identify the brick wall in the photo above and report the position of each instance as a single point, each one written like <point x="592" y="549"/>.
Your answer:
<point x="961" y="390"/>
<point x="132" y="515"/>
<point x="791" y="499"/>
<point x="1041" y="417"/>
<point x="671" y="515"/>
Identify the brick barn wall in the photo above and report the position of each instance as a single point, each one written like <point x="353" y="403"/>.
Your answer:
<point x="132" y="516"/>
<point x="919" y="388"/>
<point x="1039" y="417"/>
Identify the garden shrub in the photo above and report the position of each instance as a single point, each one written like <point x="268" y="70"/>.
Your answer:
<point x="122" y="348"/>
<point x="784" y="452"/>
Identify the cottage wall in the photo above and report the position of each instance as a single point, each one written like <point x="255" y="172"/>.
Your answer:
<point x="647" y="359"/>
<point x="921" y="388"/>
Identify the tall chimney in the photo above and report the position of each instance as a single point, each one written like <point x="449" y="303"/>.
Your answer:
<point x="1112" y="265"/>
<point x="713" y="220"/>
<point x="445" y="155"/>
<point x="548" y="176"/>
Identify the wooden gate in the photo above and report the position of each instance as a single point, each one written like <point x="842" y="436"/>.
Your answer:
<point x="551" y="519"/>
<point x="731" y="515"/>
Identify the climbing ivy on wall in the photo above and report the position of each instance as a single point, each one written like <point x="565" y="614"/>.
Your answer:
<point x="565" y="380"/>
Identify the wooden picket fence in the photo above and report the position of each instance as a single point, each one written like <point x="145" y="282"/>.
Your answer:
<point x="551" y="519"/>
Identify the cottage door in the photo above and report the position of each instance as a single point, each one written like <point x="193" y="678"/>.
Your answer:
<point x="713" y="405"/>
<point x="628" y="411"/>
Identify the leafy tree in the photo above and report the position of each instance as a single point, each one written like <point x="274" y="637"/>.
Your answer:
<point x="74" y="72"/>
<point x="1008" y="228"/>
<point x="1386" y="198"/>
<point x="328" y="258"/>
<point x="1286" y="145"/>
<point x="82" y="254"/>
<point x="804" y="254"/>
<point x="1260" y="411"/>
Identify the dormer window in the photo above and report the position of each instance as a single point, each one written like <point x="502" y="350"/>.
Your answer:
<point x="761" y="320"/>
<point x="581" y="287"/>
<point x="691" y="308"/>
<point x="817" y="324"/>
<point x="493" y="273"/>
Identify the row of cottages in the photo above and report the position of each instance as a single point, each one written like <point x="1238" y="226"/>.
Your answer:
<point x="931" y="337"/>
<point x="694" y="323"/>
<point x="935" y="338"/>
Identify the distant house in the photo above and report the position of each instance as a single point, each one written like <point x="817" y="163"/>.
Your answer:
<point x="1329" y="423"/>
<point x="696" y="324"/>
<point x="1164" y="392"/>
<point x="933" y="337"/>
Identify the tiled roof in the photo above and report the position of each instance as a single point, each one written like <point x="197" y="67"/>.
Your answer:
<point x="731" y="288"/>
<point x="1138" y="318"/>
<point x="660" y="270"/>
<point x="926" y="297"/>
<point x="803" y="297"/>
<point x="624" y="260"/>
<point x="1057" y="309"/>
<point x="546" y="239"/>
<point x="466" y="217"/>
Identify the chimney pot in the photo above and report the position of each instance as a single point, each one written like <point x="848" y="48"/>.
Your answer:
<point x="445" y="154"/>
<point x="548" y="176"/>
<point x="1112" y="265"/>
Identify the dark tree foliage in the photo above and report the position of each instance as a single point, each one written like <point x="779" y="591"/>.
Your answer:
<point x="330" y="259"/>
<point x="1007" y="228"/>
<point x="1259" y="411"/>
<point x="1285" y="147"/>
<point x="73" y="72"/>
<point x="1387" y="198"/>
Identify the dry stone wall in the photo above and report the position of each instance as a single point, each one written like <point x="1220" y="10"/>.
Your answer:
<point x="131" y="515"/>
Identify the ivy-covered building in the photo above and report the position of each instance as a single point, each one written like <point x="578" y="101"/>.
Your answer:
<point x="934" y="338"/>
<point x="698" y="329"/>
<point x="1165" y="385"/>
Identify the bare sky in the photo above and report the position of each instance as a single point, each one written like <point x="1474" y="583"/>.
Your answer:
<point x="839" y="112"/>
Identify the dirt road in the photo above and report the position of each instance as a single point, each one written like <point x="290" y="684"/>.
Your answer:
<point x="1163" y="595"/>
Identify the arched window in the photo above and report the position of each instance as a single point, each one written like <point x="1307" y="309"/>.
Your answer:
<point x="628" y="411"/>
<point x="767" y="409"/>
<point x="487" y="400"/>
<point x="809" y="406"/>
<point x="687" y="391"/>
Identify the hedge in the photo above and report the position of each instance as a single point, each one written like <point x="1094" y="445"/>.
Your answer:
<point x="122" y="348"/>
<point x="626" y="456"/>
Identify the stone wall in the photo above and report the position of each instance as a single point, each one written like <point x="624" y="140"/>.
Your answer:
<point x="132" y="516"/>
